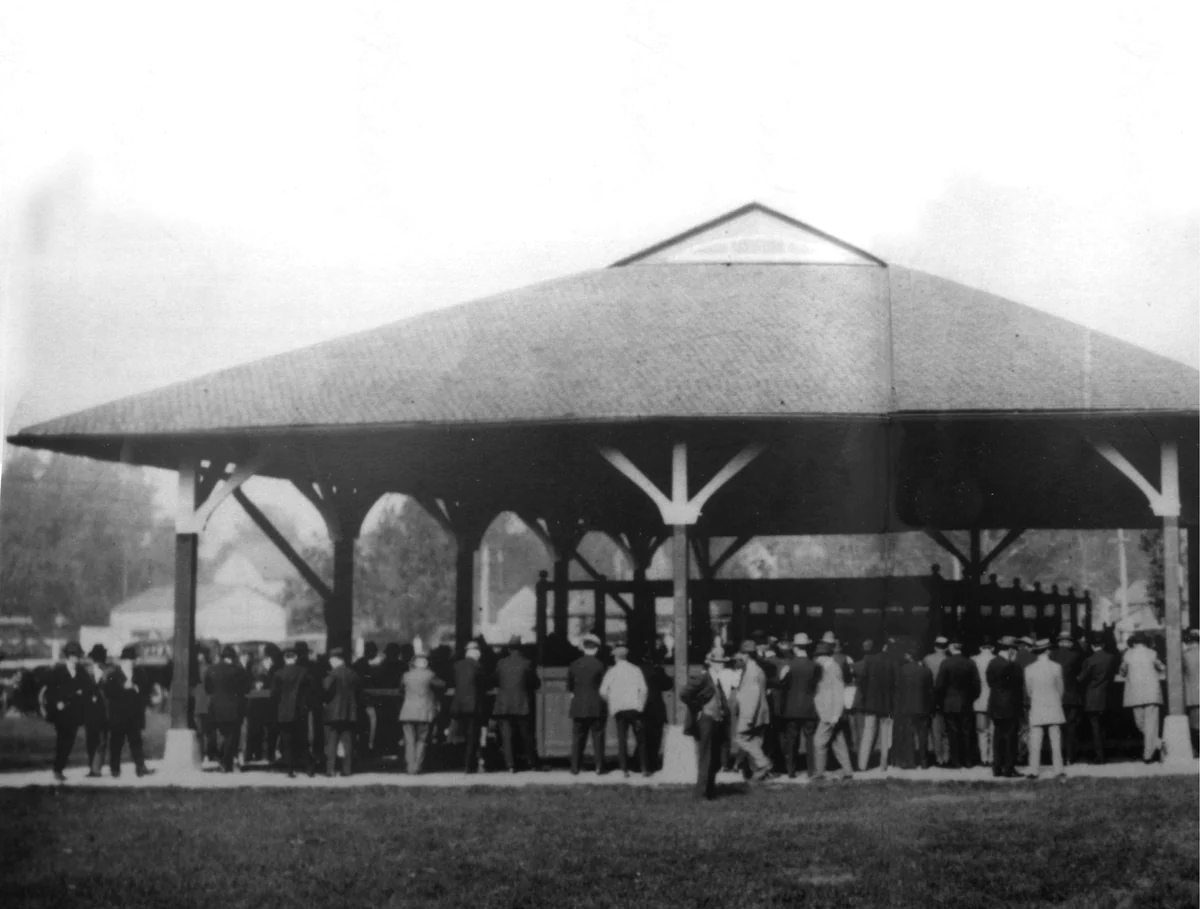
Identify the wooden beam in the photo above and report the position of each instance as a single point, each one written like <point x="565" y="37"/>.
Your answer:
<point x="733" y="549"/>
<point x="264" y="524"/>
<point x="1007" y="540"/>
<point x="942" y="540"/>
<point x="1164" y="502"/>
<point x="700" y="550"/>
<point x="735" y="466"/>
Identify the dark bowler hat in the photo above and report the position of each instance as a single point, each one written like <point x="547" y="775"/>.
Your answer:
<point x="129" y="652"/>
<point x="986" y="644"/>
<point x="99" y="653"/>
<point x="748" y="647"/>
<point x="514" y="641"/>
<point x="339" y="652"/>
<point x="73" y="649"/>
<point x="1096" y="639"/>
<point x="301" y="648"/>
<point x="823" y="649"/>
<point x="229" y="652"/>
<point x="289" y="652"/>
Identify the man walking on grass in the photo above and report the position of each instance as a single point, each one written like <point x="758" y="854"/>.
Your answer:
<point x="708" y="711"/>
<point x="752" y="716"/>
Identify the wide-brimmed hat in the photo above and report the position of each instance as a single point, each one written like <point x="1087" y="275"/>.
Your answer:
<point x="1008" y="642"/>
<point x="829" y="638"/>
<point x="1041" y="645"/>
<point x="800" y="639"/>
<point x="99" y="653"/>
<point x="73" y="649"/>
<point x="1065" y="636"/>
<point x="1026" y="640"/>
<point x="940" y="641"/>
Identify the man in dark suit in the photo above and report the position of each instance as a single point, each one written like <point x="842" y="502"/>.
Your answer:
<point x="291" y="694"/>
<point x="227" y="684"/>
<point x="342" y="689"/>
<point x="71" y="696"/>
<point x="912" y="713"/>
<point x="877" y="690"/>
<point x="127" y="690"/>
<point x="466" y="706"/>
<point x="955" y="689"/>
<point x="1095" y="676"/>
<point x="587" y="707"/>
<point x="516" y="682"/>
<point x="1071" y="661"/>
<point x="707" y="718"/>
<point x="96" y="724"/>
<point x="1006" y="706"/>
<point x="797" y="707"/>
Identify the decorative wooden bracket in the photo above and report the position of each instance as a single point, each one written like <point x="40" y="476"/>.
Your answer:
<point x="984" y="562"/>
<point x="202" y="489"/>
<point x="678" y="509"/>
<point x="264" y="524"/>
<point x="1164" y="503"/>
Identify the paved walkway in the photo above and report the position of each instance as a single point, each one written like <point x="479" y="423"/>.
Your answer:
<point x="262" y="778"/>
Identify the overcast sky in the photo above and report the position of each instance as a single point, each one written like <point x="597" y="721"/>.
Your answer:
<point x="251" y="178"/>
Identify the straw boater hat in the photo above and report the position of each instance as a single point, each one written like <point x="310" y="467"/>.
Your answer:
<point x="1008" y="642"/>
<point x="800" y="639"/>
<point x="828" y="638"/>
<point x="1041" y="645"/>
<point x="940" y="642"/>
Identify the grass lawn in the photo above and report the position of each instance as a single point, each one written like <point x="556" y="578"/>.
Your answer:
<point x="1086" y="843"/>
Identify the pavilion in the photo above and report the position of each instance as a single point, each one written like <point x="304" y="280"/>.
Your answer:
<point x="752" y="376"/>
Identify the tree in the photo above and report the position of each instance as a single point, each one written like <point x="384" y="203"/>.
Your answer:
<point x="77" y="537"/>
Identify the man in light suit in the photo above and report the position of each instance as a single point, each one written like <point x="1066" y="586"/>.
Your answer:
<point x="419" y="710"/>
<point x="983" y="722"/>
<point x="830" y="701"/>
<point x="937" y="733"/>
<point x="752" y="715"/>
<point x="708" y="711"/>
<point x="588" y="714"/>
<point x="1044" y="684"/>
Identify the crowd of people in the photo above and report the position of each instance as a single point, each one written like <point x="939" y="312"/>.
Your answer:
<point x="999" y="707"/>
<point x="766" y="706"/>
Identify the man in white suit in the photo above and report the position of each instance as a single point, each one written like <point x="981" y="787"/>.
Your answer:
<point x="830" y="701"/>
<point x="752" y="715"/>
<point x="1044" y="686"/>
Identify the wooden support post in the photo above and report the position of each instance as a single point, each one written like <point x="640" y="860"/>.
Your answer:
<point x="679" y="571"/>
<point x="464" y="593"/>
<point x="1193" y="576"/>
<point x="600" y="610"/>
<point x="1172" y="617"/>
<point x="562" y="567"/>
<point x="540" y="607"/>
<point x="186" y="548"/>
<point x="339" y="610"/>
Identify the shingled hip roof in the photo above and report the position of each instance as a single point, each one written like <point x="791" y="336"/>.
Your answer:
<point x="678" y="340"/>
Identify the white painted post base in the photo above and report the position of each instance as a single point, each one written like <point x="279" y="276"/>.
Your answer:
<point x="182" y="752"/>
<point x="1177" y="741"/>
<point x="679" y="756"/>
